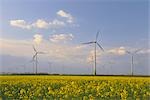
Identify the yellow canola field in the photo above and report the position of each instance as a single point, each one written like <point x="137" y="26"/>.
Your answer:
<point x="74" y="88"/>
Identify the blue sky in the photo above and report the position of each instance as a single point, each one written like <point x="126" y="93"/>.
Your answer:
<point x="66" y="24"/>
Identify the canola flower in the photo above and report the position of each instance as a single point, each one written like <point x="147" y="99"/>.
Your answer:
<point x="74" y="88"/>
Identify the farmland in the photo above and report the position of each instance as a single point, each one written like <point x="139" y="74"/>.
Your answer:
<point x="74" y="87"/>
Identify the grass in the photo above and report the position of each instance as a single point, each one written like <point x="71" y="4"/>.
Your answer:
<point x="74" y="87"/>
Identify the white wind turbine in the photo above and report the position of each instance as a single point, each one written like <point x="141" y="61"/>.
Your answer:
<point x="132" y="58"/>
<point x="95" y="45"/>
<point x="35" y="57"/>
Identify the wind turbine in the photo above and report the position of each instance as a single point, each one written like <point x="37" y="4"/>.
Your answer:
<point x="95" y="44"/>
<point x="35" y="57"/>
<point x="132" y="58"/>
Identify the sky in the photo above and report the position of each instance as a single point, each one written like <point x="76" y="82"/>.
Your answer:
<point x="59" y="28"/>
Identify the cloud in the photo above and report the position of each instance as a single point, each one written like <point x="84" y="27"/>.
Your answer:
<point x="63" y="53"/>
<point x="118" y="51"/>
<point x="66" y="53"/>
<point x="20" y="24"/>
<point x="80" y="46"/>
<point x="70" y="55"/>
<point x="144" y="51"/>
<point x="66" y="15"/>
<point x="55" y="51"/>
<point x="15" y="47"/>
<point x="61" y="37"/>
<point x="38" y="38"/>
<point x="91" y="56"/>
<point x="56" y="23"/>
<point x="40" y="24"/>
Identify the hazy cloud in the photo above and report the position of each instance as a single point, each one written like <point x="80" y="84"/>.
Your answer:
<point x="61" y="37"/>
<point x="118" y="51"/>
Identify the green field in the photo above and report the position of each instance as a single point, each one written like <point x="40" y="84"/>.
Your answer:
<point x="74" y="87"/>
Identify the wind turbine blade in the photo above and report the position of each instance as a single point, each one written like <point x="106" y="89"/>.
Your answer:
<point x="34" y="48"/>
<point x="137" y="50"/>
<point x="128" y="52"/>
<point x="34" y="56"/>
<point x="97" y="35"/>
<point x="100" y="46"/>
<point x="88" y="42"/>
